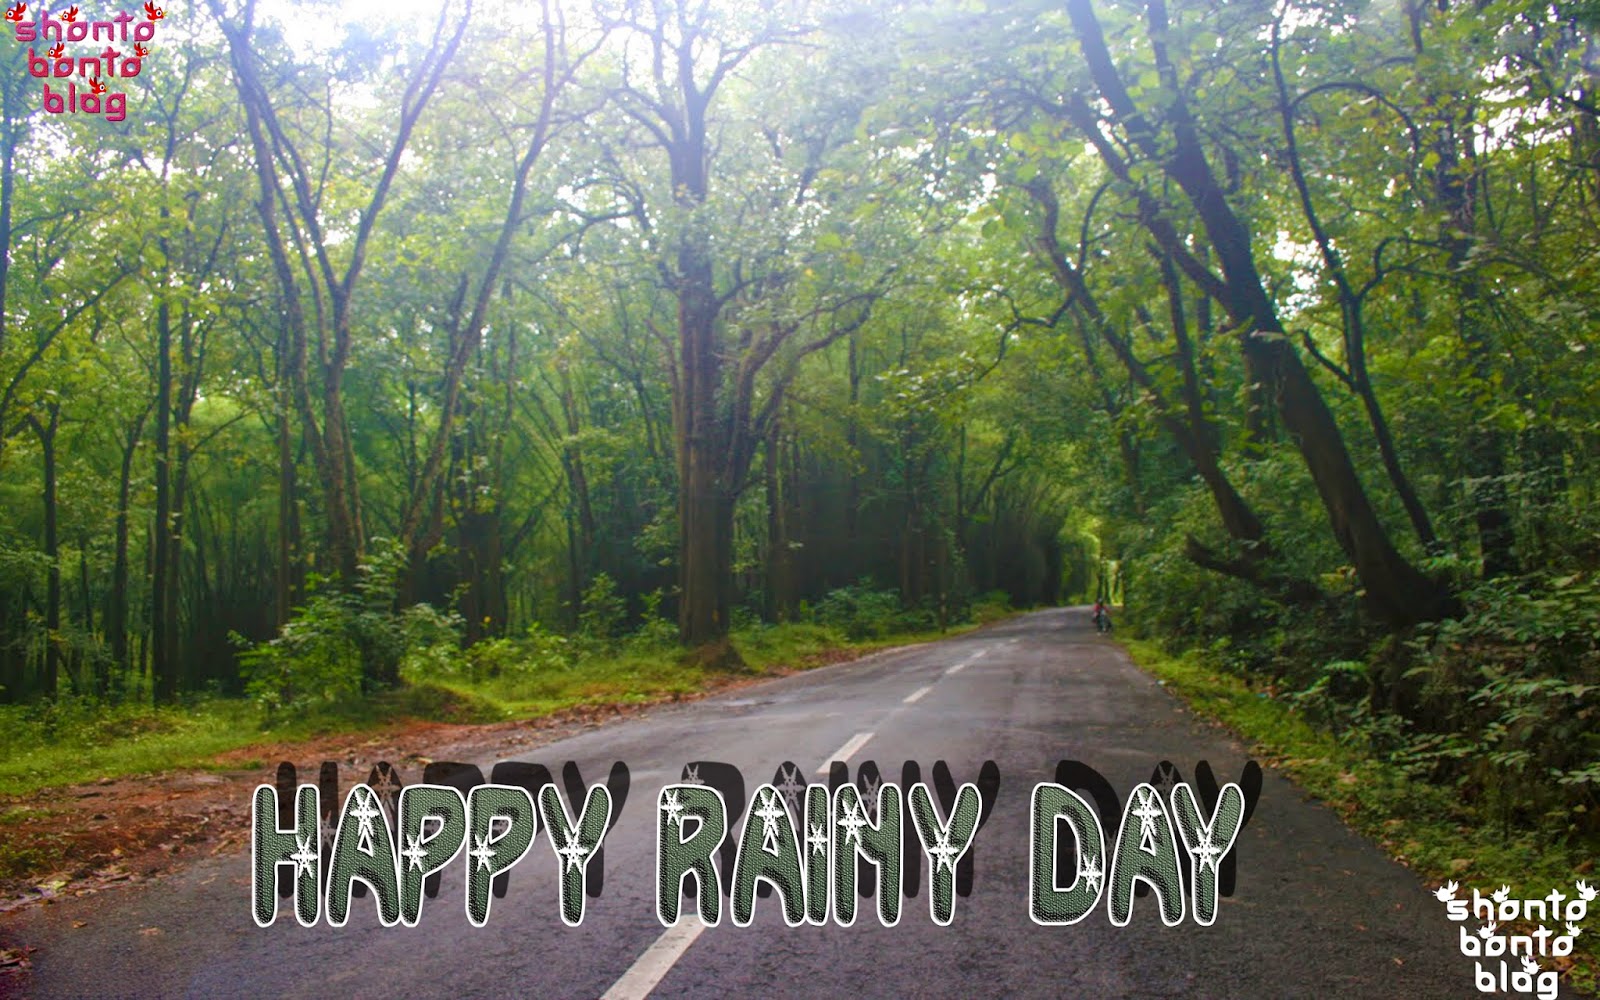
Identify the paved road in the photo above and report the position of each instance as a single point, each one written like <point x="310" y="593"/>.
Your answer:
<point x="1317" y="911"/>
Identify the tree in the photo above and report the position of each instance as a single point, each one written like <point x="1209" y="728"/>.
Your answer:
<point x="745" y="312"/>
<point x="302" y="223"/>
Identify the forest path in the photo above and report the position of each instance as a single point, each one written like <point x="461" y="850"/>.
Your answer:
<point x="1318" y="911"/>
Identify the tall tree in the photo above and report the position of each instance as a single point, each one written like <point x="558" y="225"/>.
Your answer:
<point x="1167" y="135"/>
<point x="313" y="256"/>
<point x="736" y="321"/>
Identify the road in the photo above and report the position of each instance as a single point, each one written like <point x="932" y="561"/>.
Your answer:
<point x="1317" y="911"/>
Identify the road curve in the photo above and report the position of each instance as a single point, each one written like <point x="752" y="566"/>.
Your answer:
<point x="1317" y="911"/>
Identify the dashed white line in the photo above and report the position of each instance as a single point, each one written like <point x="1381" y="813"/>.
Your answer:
<point x="964" y="663"/>
<point x="845" y="752"/>
<point x="657" y="960"/>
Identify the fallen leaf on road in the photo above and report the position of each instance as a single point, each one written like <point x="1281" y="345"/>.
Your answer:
<point x="15" y="957"/>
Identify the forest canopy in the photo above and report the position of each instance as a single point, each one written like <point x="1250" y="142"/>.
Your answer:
<point x="357" y="346"/>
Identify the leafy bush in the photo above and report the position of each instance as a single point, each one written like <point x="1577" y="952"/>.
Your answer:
<point x="988" y="607"/>
<point x="654" y="631"/>
<point x="604" y="613"/>
<point x="1337" y="697"/>
<point x="1246" y="629"/>
<point x="1501" y="704"/>
<point x="538" y="650"/>
<point x="1512" y="691"/>
<point x="347" y="642"/>
<point x="861" y="612"/>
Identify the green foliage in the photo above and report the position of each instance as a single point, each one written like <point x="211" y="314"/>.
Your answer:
<point x="1507" y="695"/>
<point x="925" y="401"/>
<point x="863" y="612"/>
<point x="76" y="740"/>
<point x="654" y="631"/>
<point x="537" y="650"/>
<point x="1392" y="796"/>
<point x="989" y="607"/>
<point x="1336" y="697"/>
<point x="1253" y="629"/>
<point x="341" y="640"/>
<point x="1513" y="686"/>
<point x="605" y="612"/>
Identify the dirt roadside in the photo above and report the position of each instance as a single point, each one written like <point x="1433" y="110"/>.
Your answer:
<point x="94" y="837"/>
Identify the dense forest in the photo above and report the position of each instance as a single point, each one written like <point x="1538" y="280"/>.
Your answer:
<point x="356" y="347"/>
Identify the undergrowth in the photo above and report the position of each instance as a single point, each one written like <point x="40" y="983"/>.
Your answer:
<point x="1427" y="825"/>
<point x="71" y="741"/>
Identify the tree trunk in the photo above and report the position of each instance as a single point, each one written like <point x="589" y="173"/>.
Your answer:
<point x="779" y="588"/>
<point x="477" y="503"/>
<point x="1395" y="590"/>
<point x="1484" y="448"/>
<point x="705" y="495"/>
<point x="852" y="506"/>
<point x="116" y="616"/>
<point x="1197" y="441"/>
<point x="11" y="133"/>
<point x="1457" y="181"/>
<point x="163" y="665"/>
<point x="273" y="145"/>
<point x="52" y="551"/>
<point x="289" y="574"/>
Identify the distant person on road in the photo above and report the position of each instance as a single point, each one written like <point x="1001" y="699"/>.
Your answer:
<point x="1102" y="617"/>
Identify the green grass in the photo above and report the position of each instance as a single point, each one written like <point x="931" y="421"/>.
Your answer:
<point x="65" y="743"/>
<point x="637" y="675"/>
<point x="19" y="859"/>
<point x="1424" y="825"/>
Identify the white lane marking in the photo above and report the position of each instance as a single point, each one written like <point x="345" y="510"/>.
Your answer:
<point x="964" y="663"/>
<point x="657" y="960"/>
<point x="844" y="753"/>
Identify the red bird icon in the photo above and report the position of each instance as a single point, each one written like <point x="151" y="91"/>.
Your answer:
<point x="55" y="51"/>
<point x="153" y="12"/>
<point x="15" y="13"/>
<point x="71" y="15"/>
<point x="96" y="86"/>
<point x="140" y="50"/>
